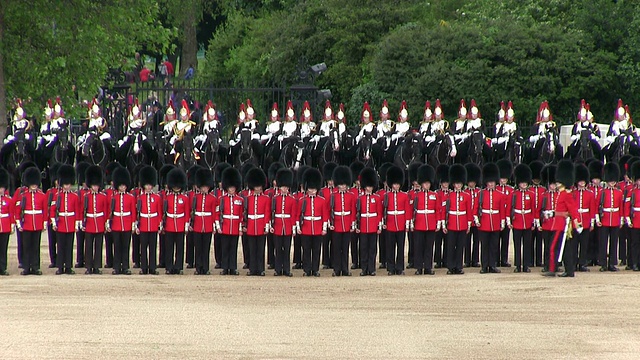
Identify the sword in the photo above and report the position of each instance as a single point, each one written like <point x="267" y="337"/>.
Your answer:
<point x="567" y="229"/>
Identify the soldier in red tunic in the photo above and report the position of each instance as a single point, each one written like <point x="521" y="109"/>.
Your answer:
<point x="203" y="213"/>
<point x="271" y="192"/>
<point x="472" y="248"/>
<point x="32" y="220"/>
<point x="356" y="189"/>
<point x="284" y="207"/>
<point x="522" y="217"/>
<point x="51" y="198"/>
<point x="244" y="170"/>
<point x="325" y="192"/>
<point x="229" y="221"/>
<point x="490" y="218"/>
<point x="369" y="220"/>
<point x="312" y="221"/>
<point x="414" y="187"/>
<point x="596" y="186"/>
<point x="83" y="189"/>
<point x="442" y="178"/>
<point x="458" y="219"/>
<point x="297" y="195"/>
<point x="95" y="209"/>
<point x="64" y="216"/>
<point x="7" y="215"/>
<point x="506" y="171"/>
<point x="257" y="220"/>
<point x="538" y="192"/>
<point x="192" y="189"/>
<point x="177" y="210"/>
<point x="382" y="237"/>
<point x="342" y="220"/>
<point x="109" y="190"/>
<point x="609" y="218"/>
<point x="218" y="192"/>
<point x="547" y="208"/>
<point x="426" y="220"/>
<point x="632" y="213"/>
<point x="17" y="197"/>
<point x="397" y="217"/>
<point x="163" y="191"/>
<point x="122" y="217"/>
<point x="587" y="208"/>
<point x="150" y="212"/>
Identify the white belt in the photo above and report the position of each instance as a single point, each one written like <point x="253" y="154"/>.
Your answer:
<point x="400" y="212"/>
<point x="491" y="212"/>
<point x="610" y="209"/>
<point x="63" y="214"/>
<point x="33" y="212"/>
<point x="175" y="216"/>
<point x="96" y="215"/>
<point x="425" y="211"/>
<point x="117" y="213"/>
<point x="312" y="218"/>
<point x="231" y="217"/>
<point x="4" y="215"/>
<point x="342" y="213"/>
<point x="255" y="217"/>
<point x="282" y="216"/>
<point x="634" y="209"/>
<point x="368" y="215"/>
<point x="149" y="215"/>
<point x="203" y="213"/>
<point x="521" y="212"/>
<point x="458" y="213"/>
<point x="582" y="211"/>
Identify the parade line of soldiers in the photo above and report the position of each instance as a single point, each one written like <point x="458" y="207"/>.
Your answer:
<point x="454" y="217"/>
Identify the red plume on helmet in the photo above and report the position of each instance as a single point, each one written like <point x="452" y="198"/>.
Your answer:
<point x="502" y="113"/>
<point x="439" y="114"/>
<point x="385" y="108"/>
<point x="290" y="113"/>
<point x="462" y="110"/>
<point x="57" y="109"/>
<point x="366" y="110"/>
<point x="403" y="114"/>
<point x="275" y="114"/>
<point x="628" y="114"/>
<point x="510" y="113"/>
<point x="428" y="114"/>
<point x="473" y="112"/>
<point x="241" y="113"/>
<point x="341" y="116"/>
<point x="619" y="115"/>
<point x="184" y="111"/>
<point x="210" y="112"/>
<point x="307" y="115"/>
<point x="250" y="111"/>
<point x="328" y="111"/>
<point x="582" y="113"/>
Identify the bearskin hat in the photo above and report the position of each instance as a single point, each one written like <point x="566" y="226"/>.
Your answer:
<point x="327" y="171"/>
<point x="369" y="178"/>
<point x="595" y="169"/>
<point x="628" y="165"/>
<point x="93" y="176"/>
<point x="162" y="174"/>
<point x="273" y="171"/>
<point x="244" y="170"/>
<point x="5" y="179"/>
<point x="53" y="172"/>
<point x="299" y="174"/>
<point x="356" y="168"/>
<point x="203" y="177"/>
<point x="231" y="178"/>
<point x="458" y="174"/>
<point x="611" y="172"/>
<point x="177" y="178"/>
<point x="312" y="179"/>
<point x="66" y="175"/>
<point x="109" y="169"/>
<point x="506" y="168"/>
<point x="255" y="178"/>
<point x="217" y="175"/>
<point x="25" y="165"/>
<point x="395" y="175"/>
<point x="622" y="164"/>
<point x="474" y="173"/>
<point x="191" y="175"/>
<point x="426" y="173"/>
<point x="148" y="176"/>
<point x="120" y="177"/>
<point x="31" y="176"/>
<point x="412" y="171"/>
<point x="566" y="173"/>
<point x="548" y="174"/>
<point x="635" y="170"/>
<point x="81" y="172"/>
<point x="442" y="173"/>
<point x="342" y="176"/>
<point x="382" y="171"/>
<point x="582" y="173"/>
<point x="522" y="173"/>
<point x="284" y="177"/>
<point x="536" y="168"/>
<point x="135" y="174"/>
<point x="490" y="173"/>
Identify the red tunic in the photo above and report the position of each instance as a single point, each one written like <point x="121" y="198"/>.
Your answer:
<point x="548" y="206"/>
<point x="632" y="207"/>
<point x="34" y="211"/>
<point x="523" y="209"/>
<point x="611" y="207"/>
<point x="313" y="215"/>
<point x="369" y="210"/>
<point x="149" y="207"/>
<point x="458" y="209"/>
<point x="425" y="211"/>
<point x="122" y="210"/>
<point x="284" y="209"/>
<point x="66" y="211"/>
<point x="492" y="210"/>
<point x="473" y="194"/>
<point x="397" y="210"/>
<point x="203" y="208"/>
<point x="258" y="214"/>
<point x="7" y="213"/>
<point x="230" y="214"/>
<point x="95" y="208"/>
<point x="342" y="211"/>
<point x="178" y="212"/>
<point x="442" y="194"/>
<point x="51" y="198"/>
<point x="326" y="191"/>
<point x="565" y="207"/>
<point x="586" y="206"/>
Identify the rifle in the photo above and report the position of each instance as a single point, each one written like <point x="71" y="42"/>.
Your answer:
<point x="221" y="211"/>
<point x="84" y="212"/>
<point x="165" y="207"/>
<point x="332" y="202"/>
<point x="138" y="209"/>
<point x="273" y="208"/>
<point x="246" y="210"/>
<point x="385" y="205"/>
<point x="302" y="210"/>
<point x="358" y="211"/>
<point x="22" y="206"/>
<point x="193" y="206"/>
<point x="57" y="207"/>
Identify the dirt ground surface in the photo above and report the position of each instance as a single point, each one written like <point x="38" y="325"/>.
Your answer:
<point x="472" y="316"/>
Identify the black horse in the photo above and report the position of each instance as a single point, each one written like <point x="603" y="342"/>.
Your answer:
<point x="63" y="151"/>
<point x="95" y="151"/>
<point x="410" y="150"/>
<point x="365" y="150"/>
<point x="293" y="154"/>
<point x="441" y="152"/>
<point x="211" y="156"/>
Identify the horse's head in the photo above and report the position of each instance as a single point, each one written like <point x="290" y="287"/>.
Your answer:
<point x="88" y="142"/>
<point x="477" y="140"/>
<point x="334" y="139"/>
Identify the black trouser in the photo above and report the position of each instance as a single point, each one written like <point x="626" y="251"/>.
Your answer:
<point x="256" y="252"/>
<point x="161" y="249"/>
<point x="311" y="245"/>
<point x="340" y="247"/>
<point x="282" y="261"/>
<point x="217" y="249"/>
<point x="490" y="241"/>
<point x="52" y="245"/>
<point x="547" y="236"/>
<point x="121" y="246"/>
<point x="423" y="252"/>
<point x="395" y="250"/>
<point x="271" y="251"/>
<point x="64" y="259"/>
<point x="382" y="246"/>
<point x="202" y="242"/>
<point x="4" y="247"/>
<point x="581" y="244"/>
<point x="504" y="246"/>
<point x="538" y="240"/>
<point x="191" y="249"/>
<point x="592" y="251"/>
<point x="108" y="243"/>
<point x="608" y="235"/>
<point x="569" y="256"/>
<point x="522" y="247"/>
<point x="410" y="252"/>
<point x="93" y="250"/>
<point x="80" y="248"/>
<point x="326" y="249"/>
<point x="174" y="251"/>
<point x="622" y="243"/>
<point x="135" y="248"/>
<point x="20" y="255"/>
<point x="31" y="250"/>
<point x="634" y="242"/>
<point x="455" y="251"/>
<point x="246" y="252"/>
<point x="297" y="249"/>
<point x="472" y="250"/>
<point x="355" y="251"/>
<point x="148" y="247"/>
<point x="368" y="250"/>
<point x="229" y="252"/>
<point x="440" y="254"/>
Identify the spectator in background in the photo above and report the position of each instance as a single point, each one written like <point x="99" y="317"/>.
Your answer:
<point x="189" y="74"/>
<point x="162" y="69"/>
<point x="145" y="74"/>
<point x="169" y="67"/>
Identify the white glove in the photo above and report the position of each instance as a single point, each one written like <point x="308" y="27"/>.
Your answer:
<point x="536" y="222"/>
<point x="53" y="222"/>
<point x="186" y="227"/>
<point x="429" y="138"/>
<point x="476" y="220"/>
<point x="267" y="228"/>
<point x="18" y="225"/>
<point x="629" y="221"/>
<point x="79" y="225"/>
<point x="280" y="137"/>
<point x="45" y="225"/>
<point x="594" y="137"/>
<point x="508" y="221"/>
<point x="325" y="226"/>
<point x="593" y="223"/>
<point x="407" y="224"/>
<point x="575" y="137"/>
<point x="217" y="226"/>
<point x="534" y="138"/>
<point x="501" y="224"/>
<point x="411" y="225"/>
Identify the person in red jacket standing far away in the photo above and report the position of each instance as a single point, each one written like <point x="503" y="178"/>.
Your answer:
<point x="229" y="220"/>
<point x="257" y="220"/>
<point x="312" y="221"/>
<point x="368" y="221"/>
<point x="7" y="225"/>
<point x="609" y="218"/>
<point x="150" y="212"/>
<point x="522" y="217"/>
<point x="203" y="210"/>
<point x="95" y="211"/>
<point x="458" y="219"/>
<point x="490" y="218"/>
<point x="32" y="221"/>
<point x="122" y="220"/>
<point x="342" y="220"/>
<point x="632" y="212"/>
<point x="64" y="215"/>
<point x="426" y="221"/>
<point x="285" y="208"/>
<point x="587" y="208"/>
<point x="177" y="212"/>
<point x="398" y="215"/>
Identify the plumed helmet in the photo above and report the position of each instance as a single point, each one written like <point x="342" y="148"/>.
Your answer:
<point x="120" y="177"/>
<point x="148" y="176"/>
<point x="548" y="174"/>
<point x="284" y="177"/>
<point x="426" y="173"/>
<point x="412" y="171"/>
<point x="369" y="178"/>
<point x="327" y="170"/>
<point x="231" y="178"/>
<point x="595" y="169"/>
<point x="176" y="178"/>
<point x="536" y="168"/>
<point x="442" y="173"/>
<point x="566" y="173"/>
<point x="611" y="172"/>
<point x="217" y="175"/>
<point x="203" y="177"/>
<point x="5" y="179"/>
<point x="490" y="173"/>
<point x="342" y="176"/>
<point x="395" y="175"/>
<point x="474" y="173"/>
<point x="522" y="173"/>
<point x="312" y="179"/>
<point x="256" y="178"/>
<point x="31" y="176"/>
<point x="582" y="173"/>
<point x="81" y="172"/>
<point x="457" y="174"/>
<point x="506" y="168"/>
<point x="273" y="170"/>
<point x="66" y="175"/>
<point x="162" y="174"/>
<point x="93" y="176"/>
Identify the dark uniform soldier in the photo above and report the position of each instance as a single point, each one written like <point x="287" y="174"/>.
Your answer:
<point x="150" y="212"/>
<point x="64" y="216"/>
<point x="229" y="220"/>
<point x="203" y="209"/>
<point x="284" y="207"/>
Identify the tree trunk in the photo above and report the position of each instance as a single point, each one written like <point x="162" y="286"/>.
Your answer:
<point x="189" y="41"/>
<point x="3" y="94"/>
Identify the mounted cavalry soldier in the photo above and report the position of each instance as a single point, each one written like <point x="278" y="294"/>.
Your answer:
<point x="307" y="126"/>
<point x="246" y="121"/>
<point x="367" y="125"/>
<point x="584" y="122"/>
<point x="460" y="133"/>
<point x="274" y="126"/>
<point x="180" y="128"/>
<point x="328" y="123"/>
<point x="169" y="121"/>
<point x="48" y="127"/>
<point x="19" y="124"/>
<point x="505" y="129"/>
<point x="137" y="121"/>
<point x="436" y="127"/>
<point x="621" y="128"/>
<point x="210" y="122"/>
<point x="96" y="125"/>
<point x="543" y="127"/>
